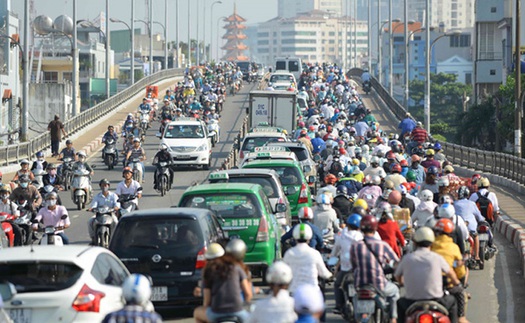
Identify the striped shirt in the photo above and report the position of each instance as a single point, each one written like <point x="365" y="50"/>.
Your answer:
<point x="132" y="314"/>
<point x="419" y="135"/>
<point x="367" y="269"/>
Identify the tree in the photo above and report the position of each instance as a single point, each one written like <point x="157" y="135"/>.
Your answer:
<point x="478" y="126"/>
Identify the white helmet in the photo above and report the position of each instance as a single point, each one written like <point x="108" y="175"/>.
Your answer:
<point x="384" y="207"/>
<point x="446" y="211"/>
<point x="374" y="160"/>
<point x="279" y="273"/>
<point x="136" y="289"/>
<point x="305" y="213"/>
<point x="443" y="181"/>
<point x="214" y="250"/>
<point x="323" y="199"/>
<point x="302" y="231"/>
<point x="376" y="179"/>
<point x="426" y="195"/>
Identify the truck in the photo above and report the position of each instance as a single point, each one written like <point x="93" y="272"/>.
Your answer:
<point x="274" y="109"/>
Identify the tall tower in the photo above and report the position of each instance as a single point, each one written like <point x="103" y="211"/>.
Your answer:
<point x="234" y="36"/>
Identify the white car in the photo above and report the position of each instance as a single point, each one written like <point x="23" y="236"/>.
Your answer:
<point x="188" y="141"/>
<point x="62" y="284"/>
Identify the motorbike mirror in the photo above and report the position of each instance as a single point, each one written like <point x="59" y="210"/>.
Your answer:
<point x="63" y="217"/>
<point x="311" y="179"/>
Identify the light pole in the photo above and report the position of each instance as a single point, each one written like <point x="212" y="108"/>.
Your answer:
<point x="166" y="26"/>
<point x="379" y="59"/>
<point x="218" y="20"/>
<point x="189" y="33"/>
<point x="74" y="49"/>
<point x="517" y="86"/>
<point x="108" y="48"/>
<point x="177" y="34"/>
<point x="405" y="12"/>
<point x="132" y="55"/>
<point x="426" y="111"/>
<point x="197" y="54"/>
<point x="211" y="29"/>
<point x="369" y="36"/>
<point x="150" y="28"/>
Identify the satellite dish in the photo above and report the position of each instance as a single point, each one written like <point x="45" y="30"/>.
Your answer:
<point x="43" y="25"/>
<point x="64" y="24"/>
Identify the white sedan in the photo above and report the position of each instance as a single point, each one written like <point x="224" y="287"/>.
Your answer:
<point x="62" y="283"/>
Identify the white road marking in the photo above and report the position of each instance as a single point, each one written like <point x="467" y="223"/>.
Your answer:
<point x="509" y="315"/>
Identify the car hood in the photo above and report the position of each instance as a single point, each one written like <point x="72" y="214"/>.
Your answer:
<point x="183" y="142"/>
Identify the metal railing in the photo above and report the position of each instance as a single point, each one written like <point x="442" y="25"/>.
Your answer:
<point x="14" y="153"/>
<point x="495" y="163"/>
<point x="232" y="160"/>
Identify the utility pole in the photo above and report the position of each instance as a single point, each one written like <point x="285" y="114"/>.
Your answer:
<point x="108" y="49"/>
<point x="150" y="36"/>
<point x="25" y="79"/>
<point x="132" y="51"/>
<point x="517" y="88"/>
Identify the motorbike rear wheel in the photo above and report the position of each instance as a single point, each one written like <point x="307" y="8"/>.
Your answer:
<point x="163" y="185"/>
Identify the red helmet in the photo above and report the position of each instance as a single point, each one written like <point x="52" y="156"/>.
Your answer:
<point x="394" y="198"/>
<point x="403" y="163"/>
<point x="396" y="168"/>
<point x="368" y="223"/>
<point x="390" y="155"/>
<point x="127" y="169"/>
<point x="444" y="225"/>
<point x="330" y="179"/>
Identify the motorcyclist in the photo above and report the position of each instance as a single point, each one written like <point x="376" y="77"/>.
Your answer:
<point x="365" y="77"/>
<point x="309" y="304"/>
<point x="417" y="169"/>
<point x="137" y="151"/>
<point x="305" y="215"/>
<point x="82" y="164"/>
<point x="111" y="134"/>
<point x="306" y="263"/>
<point x="144" y="106"/>
<point x="330" y="181"/>
<point x="421" y="274"/>
<point x="68" y="152"/>
<point x="483" y="189"/>
<point x="104" y="198"/>
<point x="137" y="130"/>
<point x="54" y="215"/>
<point x="129" y="187"/>
<point x="368" y="257"/>
<point x="162" y="155"/>
<point x="24" y="170"/>
<point x="52" y="178"/>
<point x="136" y="291"/>
<point x="425" y="210"/>
<point x="470" y="214"/>
<point x="325" y="217"/>
<point x="27" y="192"/>
<point x="342" y="204"/>
<point x="6" y="204"/>
<point x="39" y="163"/>
<point x="374" y="168"/>
<point x="388" y="229"/>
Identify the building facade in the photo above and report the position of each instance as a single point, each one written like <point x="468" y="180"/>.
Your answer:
<point x="292" y="8"/>
<point x="454" y="14"/>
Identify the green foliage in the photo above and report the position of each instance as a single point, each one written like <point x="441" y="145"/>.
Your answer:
<point x="478" y="126"/>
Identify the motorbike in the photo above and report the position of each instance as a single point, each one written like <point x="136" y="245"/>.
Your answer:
<point x="81" y="188"/>
<point x="39" y="174"/>
<point x="109" y="153"/>
<point x="144" y="120"/>
<point x="220" y="102"/>
<point x="23" y="222"/>
<point x="369" y="305"/>
<point x="213" y="131"/>
<point x="485" y="252"/>
<point x="163" y="178"/>
<point x="11" y="230"/>
<point x="50" y="237"/>
<point x="348" y="288"/>
<point x="367" y="87"/>
<point x="126" y="204"/>
<point x="48" y="189"/>
<point x="67" y="172"/>
<point x="427" y="311"/>
<point x="103" y="226"/>
<point x="127" y="128"/>
<point x="136" y="166"/>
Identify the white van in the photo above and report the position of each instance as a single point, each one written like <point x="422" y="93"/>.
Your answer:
<point x="290" y="64"/>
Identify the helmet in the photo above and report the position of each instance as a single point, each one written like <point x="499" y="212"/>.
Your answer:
<point x="69" y="142"/>
<point x="103" y="181"/>
<point x="384" y="208"/>
<point x="236" y="248"/>
<point x="432" y="170"/>
<point x="445" y="199"/>
<point x="446" y="211"/>
<point x="279" y="273"/>
<point x="163" y="146"/>
<point x="127" y="169"/>
<point x="136" y="139"/>
<point x="448" y="169"/>
<point x="389" y="185"/>
<point x="342" y="190"/>
<point x="81" y="154"/>
<point x="374" y="160"/>
<point x="361" y="203"/>
<point x="5" y="188"/>
<point x="323" y="199"/>
<point x="330" y="179"/>
<point x="390" y="155"/>
<point x="396" y="168"/>
<point x="437" y="146"/>
<point x="368" y="223"/>
<point x="24" y="179"/>
<point x="443" y="181"/>
<point x="305" y="213"/>
<point x="358" y="210"/>
<point x="39" y="154"/>
<point x="394" y="198"/>
<point x="354" y="220"/>
<point x="214" y="250"/>
<point x="302" y="232"/>
<point x="403" y="163"/>
<point x="396" y="146"/>
<point x="444" y="225"/>
<point x="411" y="176"/>
<point x="463" y="192"/>
<point x="51" y="195"/>
<point x="136" y="289"/>
<point x="51" y="166"/>
<point x="415" y="158"/>
<point x="424" y="234"/>
<point x="24" y="161"/>
<point x="430" y="152"/>
<point x="376" y="179"/>
<point x="475" y="178"/>
<point x="484" y="182"/>
<point x="426" y="195"/>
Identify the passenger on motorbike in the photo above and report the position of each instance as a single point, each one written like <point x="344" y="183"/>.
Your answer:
<point x="104" y="198"/>
<point x="129" y="186"/>
<point x="136" y="291"/>
<point x="342" y="204"/>
<point x="24" y="170"/>
<point x="6" y="204"/>
<point x="483" y="185"/>
<point x="388" y="229"/>
<point x="137" y="151"/>
<point x="425" y="210"/>
<point x="54" y="215"/>
<point x="305" y="215"/>
<point x="470" y="213"/>
<point x="341" y="249"/>
<point x="39" y="163"/>
<point x="369" y="257"/>
<point x="27" y="192"/>
<point x="306" y="263"/>
<point x="421" y="274"/>
<point x="162" y="155"/>
<point x="325" y="217"/>
<point x="330" y="181"/>
<point x="278" y="307"/>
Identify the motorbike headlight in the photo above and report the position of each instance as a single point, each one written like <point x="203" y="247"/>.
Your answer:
<point x="202" y="147"/>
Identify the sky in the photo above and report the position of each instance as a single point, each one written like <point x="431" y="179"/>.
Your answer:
<point x="254" y="11"/>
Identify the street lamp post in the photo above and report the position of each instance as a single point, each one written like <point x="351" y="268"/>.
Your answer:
<point x="189" y="33"/>
<point x="108" y="48"/>
<point x="379" y="59"/>
<point x="150" y="37"/>
<point x="427" y="66"/>
<point x="211" y="31"/>
<point x="75" y="61"/>
<point x="218" y="20"/>
<point x="405" y="12"/>
<point x="132" y="56"/>
<point x="25" y="77"/>
<point x="166" y="26"/>
<point x="369" y="36"/>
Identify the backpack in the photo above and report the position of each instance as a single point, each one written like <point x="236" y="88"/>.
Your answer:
<point x="336" y="168"/>
<point x="485" y="207"/>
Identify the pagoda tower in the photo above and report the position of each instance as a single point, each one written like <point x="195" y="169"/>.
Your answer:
<point x="234" y="36"/>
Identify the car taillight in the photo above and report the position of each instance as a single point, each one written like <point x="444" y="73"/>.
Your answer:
<point x="483" y="229"/>
<point x="262" y="231"/>
<point x="241" y="154"/>
<point x="88" y="300"/>
<point x="425" y="318"/>
<point x="201" y="260"/>
<point x="303" y="196"/>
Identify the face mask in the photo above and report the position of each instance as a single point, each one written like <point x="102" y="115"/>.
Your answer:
<point x="4" y="196"/>
<point x="81" y="159"/>
<point x="105" y="189"/>
<point x="51" y="202"/>
<point x="41" y="158"/>
<point x="52" y="172"/>
<point x="24" y="185"/>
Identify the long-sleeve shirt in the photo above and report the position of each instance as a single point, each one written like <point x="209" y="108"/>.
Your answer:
<point x="391" y="234"/>
<point x="342" y="247"/>
<point x="469" y="212"/>
<point x="307" y="264"/>
<point x="273" y="309"/>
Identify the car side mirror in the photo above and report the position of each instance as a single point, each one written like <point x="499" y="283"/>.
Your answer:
<point x="291" y="190"/>
<point x="7" y="291"/>
<point x="280" y="208"/>
<point x="312" y="179"/>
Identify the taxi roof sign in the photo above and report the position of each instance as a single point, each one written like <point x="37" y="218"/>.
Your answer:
<point x="264" y="154"/>
<point x="269" y="148"/>
<point x="217" y="176"/>
<point x="266" y="129"/>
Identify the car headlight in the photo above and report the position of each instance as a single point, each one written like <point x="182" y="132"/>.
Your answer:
<point x="202" y="147"/>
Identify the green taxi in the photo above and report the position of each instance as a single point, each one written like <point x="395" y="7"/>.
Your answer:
<point x="246" y="213"/>
<point x="292" y="178"/>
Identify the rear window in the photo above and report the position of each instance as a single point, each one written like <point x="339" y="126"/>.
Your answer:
<point x="250" y="143"/>
<point x="244" y="66"/>
<point x="269" y="186"/>
<point x="226" y="205"/>
<point x="301" y="153"/>
<point x="288" y="175"/>
<point x="41" y="276"/>
<point x="280" y="65"/>
<point x="293" y="66"/>
<point x="281" y="78"/>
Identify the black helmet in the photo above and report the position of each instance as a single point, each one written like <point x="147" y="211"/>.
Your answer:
<point x="342" y="190"/>
<point x="103" y="181"/>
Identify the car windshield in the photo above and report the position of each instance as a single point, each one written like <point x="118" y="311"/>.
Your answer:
<point x="184" y="131"/>
<point x="250" y="143"/>
<point x="244" y="66"/>
<point x="226" y="205"/>
<point x="40" y="276"/>
<point x="281" y="78"/>
<point x="269" y="186"/>
<point x="288" y="175"/>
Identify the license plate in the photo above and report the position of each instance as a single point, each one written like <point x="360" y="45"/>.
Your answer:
<point x="365" y="306"/>
<point x="183" y="157"/>
<point x="20" y="315"/>
<point x="159" y="293"/>
<point x="483" y="237"/>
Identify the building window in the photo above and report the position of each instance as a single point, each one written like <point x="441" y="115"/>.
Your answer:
<point x="492" y="72"/>
<point x="493" y="9"/>
<point x="332" y="33"/>
<point x="468" y="78"/>
<point x="67" y="76"/>
<point x="263" y="42"/>
<point x="460" y="41"/>
<point x="50" y="77"/>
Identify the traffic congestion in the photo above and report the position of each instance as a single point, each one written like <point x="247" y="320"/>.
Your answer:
<point x="323" y="200"/>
